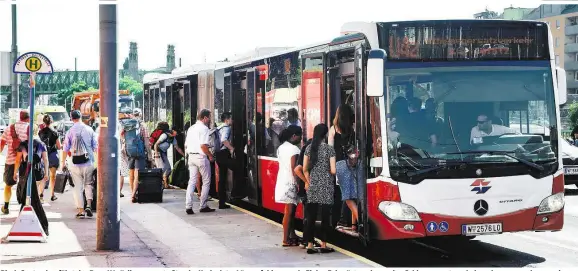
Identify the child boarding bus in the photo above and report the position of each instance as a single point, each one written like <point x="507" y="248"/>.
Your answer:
<point x="456" y="122"/>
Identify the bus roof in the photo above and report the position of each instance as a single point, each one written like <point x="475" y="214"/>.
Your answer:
<point x="195" y="69"/>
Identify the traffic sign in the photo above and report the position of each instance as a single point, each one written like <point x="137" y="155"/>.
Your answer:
<point x="32" y="62"/>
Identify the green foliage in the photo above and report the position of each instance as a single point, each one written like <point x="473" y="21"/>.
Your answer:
<point x="573" y="114"/>
<point x="64" y="96"/>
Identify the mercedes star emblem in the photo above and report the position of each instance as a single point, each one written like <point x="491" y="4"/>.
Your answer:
<point x="481" y="207"/>
<point x="479" y="172"/>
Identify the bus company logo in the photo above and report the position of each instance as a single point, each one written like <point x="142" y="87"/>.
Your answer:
<point x="480" y="186"/>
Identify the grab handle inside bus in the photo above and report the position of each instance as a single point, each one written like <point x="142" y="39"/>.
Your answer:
<point x="375" y="72"/>
<point x="561" y="81"/>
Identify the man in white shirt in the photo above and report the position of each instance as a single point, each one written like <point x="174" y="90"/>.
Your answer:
<point x="197" y="148"/>
<point x="486" y="128"/>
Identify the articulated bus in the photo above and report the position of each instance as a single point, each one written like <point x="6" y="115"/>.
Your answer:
<point x="482" y="158"/>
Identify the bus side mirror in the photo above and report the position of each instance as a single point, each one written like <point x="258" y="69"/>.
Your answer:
<point x="375" y="73"/>
<point x="561" y="81"/>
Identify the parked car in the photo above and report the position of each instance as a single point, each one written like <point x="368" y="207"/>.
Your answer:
<point x="570" y="161"/>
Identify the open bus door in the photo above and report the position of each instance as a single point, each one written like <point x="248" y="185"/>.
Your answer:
<point x="239" y="131"/>
<point x="363" y="139"/>
<point x="254" y="121"/>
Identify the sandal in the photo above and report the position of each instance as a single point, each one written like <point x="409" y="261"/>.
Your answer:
<point x="290" y="243"/>
<point x="326" y="250"/>
<point x="312" y="250"/>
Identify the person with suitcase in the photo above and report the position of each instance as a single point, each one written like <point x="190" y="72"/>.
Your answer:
<point x="50" y="139"/>
<point x="81" y="142"/>
<point x="197" y="145"/>
<point x="135" y="149"/>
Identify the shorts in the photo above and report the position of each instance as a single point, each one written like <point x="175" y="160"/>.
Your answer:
<point x="53" y="160"/>
<point x="136" y="163"/>
<point x="163" y="162"/>
<point x="9" y="175"/>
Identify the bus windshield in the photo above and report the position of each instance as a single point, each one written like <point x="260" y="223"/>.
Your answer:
<point x="494" y="112"/>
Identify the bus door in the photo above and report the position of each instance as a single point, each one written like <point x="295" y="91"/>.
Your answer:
<point x="240" y="132"/>
<point x="176" y="105"/>
<point x="363" y="139"/>
<point x="255" y="122"/>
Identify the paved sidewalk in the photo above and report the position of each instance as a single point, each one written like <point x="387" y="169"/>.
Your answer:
<point x="72" y="242"/>
<point x="160" y="235"/>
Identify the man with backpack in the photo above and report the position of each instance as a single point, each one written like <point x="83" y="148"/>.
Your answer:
<point x="12" y="137"/>
<point x="134" y="138"/>
<point x="81" y="142"/>
<point x="225" y="156"/>
<point x="163" y="138"/>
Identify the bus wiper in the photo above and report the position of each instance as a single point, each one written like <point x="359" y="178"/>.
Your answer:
<point x="505" y="153"/>
<point x="424" y="171"/>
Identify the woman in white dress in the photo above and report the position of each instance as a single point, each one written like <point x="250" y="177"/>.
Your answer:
<point x="286" y="186"/>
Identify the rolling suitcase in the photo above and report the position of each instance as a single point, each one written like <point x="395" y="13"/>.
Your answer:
<point x="60" y="181"/>
<point x="150" y="185"/>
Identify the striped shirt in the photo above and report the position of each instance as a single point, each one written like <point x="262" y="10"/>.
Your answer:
<point x="21" y="128"/>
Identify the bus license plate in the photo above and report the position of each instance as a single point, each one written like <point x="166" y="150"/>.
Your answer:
<point x="571" y="170"/>
<point x="477" y="229"/>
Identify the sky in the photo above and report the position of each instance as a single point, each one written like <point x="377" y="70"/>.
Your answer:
<point x="206" y="30"/>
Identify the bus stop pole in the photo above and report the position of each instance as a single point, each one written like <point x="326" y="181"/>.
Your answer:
<point x="108" y="209"/>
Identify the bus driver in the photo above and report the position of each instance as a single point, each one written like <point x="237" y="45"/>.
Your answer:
<point x="486" y="128"/>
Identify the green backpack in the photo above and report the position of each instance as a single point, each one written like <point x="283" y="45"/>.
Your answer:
<point x="180" y="174"/>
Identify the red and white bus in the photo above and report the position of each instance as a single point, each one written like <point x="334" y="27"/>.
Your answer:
<point x="480" y="154"/>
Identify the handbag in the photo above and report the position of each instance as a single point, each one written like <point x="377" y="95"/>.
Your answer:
<point x="350" y="151"/>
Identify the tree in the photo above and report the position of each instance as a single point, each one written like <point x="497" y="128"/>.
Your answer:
<point x="64" y="96"/>
<point x="132" y="85"/>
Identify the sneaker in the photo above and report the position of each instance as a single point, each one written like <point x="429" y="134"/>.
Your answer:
<point x="207" y="210"/>
<point x="5" y="210"/>
<point x="80" y="215"/>
<point x="88" y="212"/>
<point x="53" y="198"/>
<point x="121" y="195"/>
<point x="189" y="211"/>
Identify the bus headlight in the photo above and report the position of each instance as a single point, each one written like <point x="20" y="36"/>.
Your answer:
<point x="551" y="204"/>
<point x="398" y="211"/>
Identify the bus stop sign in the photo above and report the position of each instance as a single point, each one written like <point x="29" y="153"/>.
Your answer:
<point x="33" y="62"/>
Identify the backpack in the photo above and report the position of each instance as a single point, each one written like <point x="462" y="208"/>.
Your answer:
<point x="79" y="150"/>
<point x="215" y="140"/>
<point x="133" y="140"/>
<point x="180" y="174"/>
<point x="154" y="137"/>
<point x="37" y="165"/>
